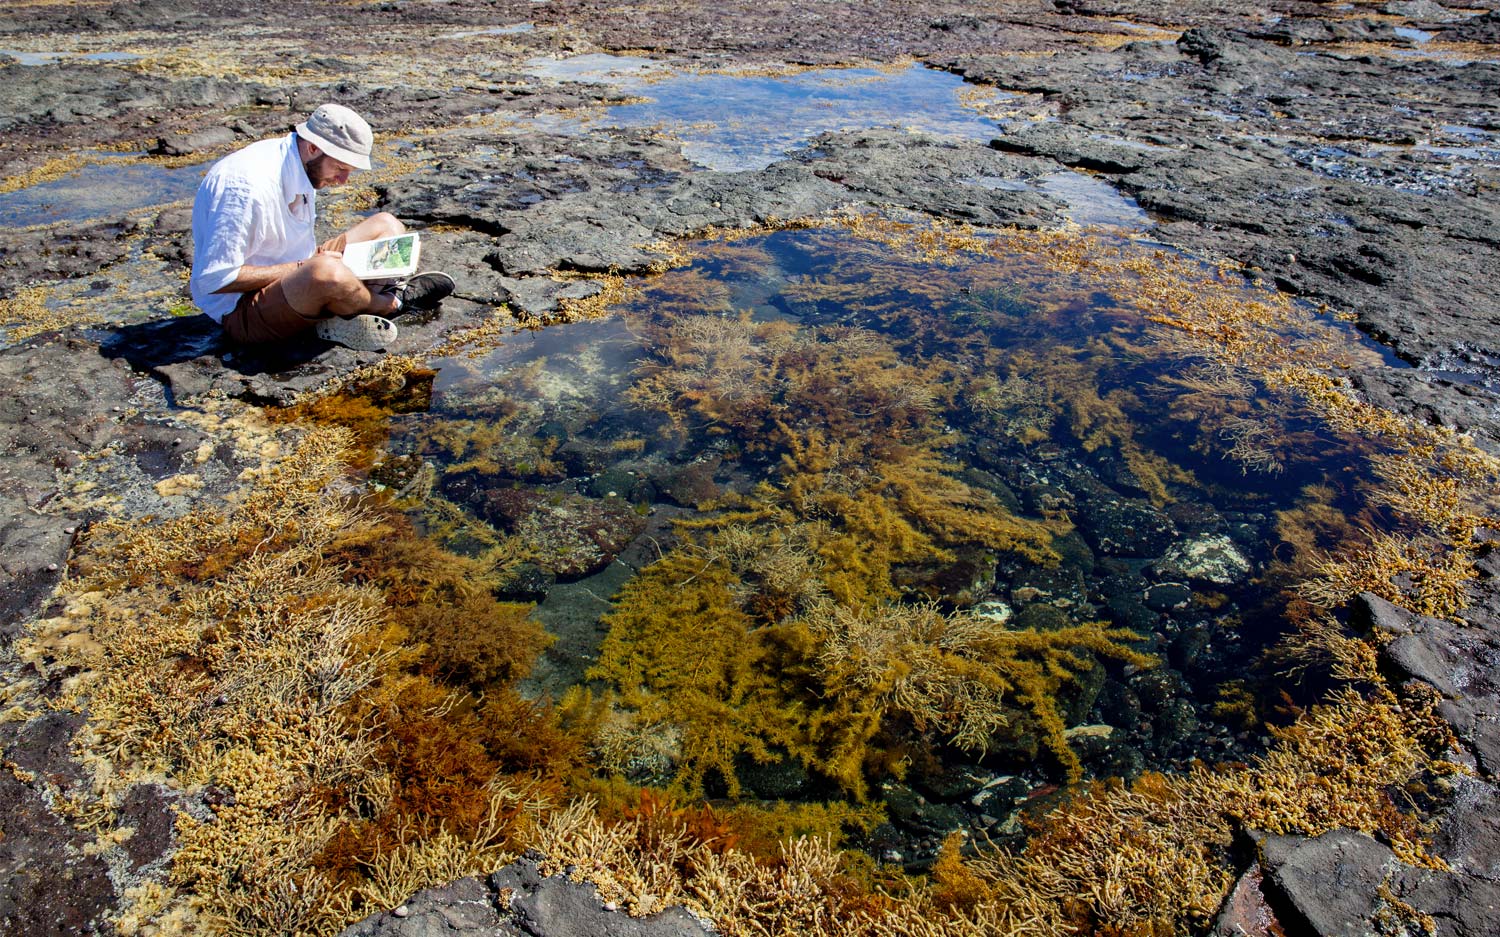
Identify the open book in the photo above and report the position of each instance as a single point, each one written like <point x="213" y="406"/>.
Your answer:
<point x="387" y="258"/>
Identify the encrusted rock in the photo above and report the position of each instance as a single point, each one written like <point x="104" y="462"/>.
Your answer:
<point x="1211" y="558"/>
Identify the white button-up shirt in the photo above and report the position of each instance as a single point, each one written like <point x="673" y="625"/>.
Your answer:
<point x="255" y="207"/>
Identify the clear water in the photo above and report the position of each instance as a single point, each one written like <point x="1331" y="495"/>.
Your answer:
<point x="739" y="122"/>
<point x="1415" y="35"/>
<point x="104" y="185"/>
<point x="1048" y="392"/>
<point x="47" y="58"/>
<point x="515" y="29"/>
<point x="1088" y="200"/>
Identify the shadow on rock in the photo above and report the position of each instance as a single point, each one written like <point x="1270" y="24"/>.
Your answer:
<point x="191" y="356"/>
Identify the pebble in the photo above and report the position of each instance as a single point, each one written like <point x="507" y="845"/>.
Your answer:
<point x="402" y="911"/>
<point x="611" y="906"/>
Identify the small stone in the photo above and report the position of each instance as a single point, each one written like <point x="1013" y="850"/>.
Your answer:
<point x="1099" y="731"/>
<point x="995" y="611"/>
<point x="611" y="906"/>
<point x="401" y="911"/>
<point x="52" y="567"/>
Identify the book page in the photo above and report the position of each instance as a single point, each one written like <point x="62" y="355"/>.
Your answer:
<point x="388" y="257"/>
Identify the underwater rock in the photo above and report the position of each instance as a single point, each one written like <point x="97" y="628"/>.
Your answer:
<point x="1158" y="687"/>
<point x="783" y="779"/>
<point x="1122" y="589"/>
<point x="1167" y="597"/>
<point x="689" y="485"/>
<point x="1060" y="586"/>
<point x="959" y="583"/>
<point x="1108" y="756"/>
<point x="993" y="610"/>
<point x="912" y="811"/>
<point x="526" y="581"/>
<point x="954" y="781"/>
<point x="1000" y="795"/>
<point x="1174" y="723"/>
<point x="573" y="535"/>
<point x="1211" y="558"/>
<point x="1126" y="527"/>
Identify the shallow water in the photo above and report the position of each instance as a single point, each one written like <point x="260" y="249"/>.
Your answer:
<point x="105" y="185"/>
<point x="47" y="58"/>
<point x="515" y="29"/>
<point x="1045" y="395"/>
<point x="1088" y="200"/>
<point x="745" y="122"/>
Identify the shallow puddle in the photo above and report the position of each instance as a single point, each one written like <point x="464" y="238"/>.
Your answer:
<point x="744" y="122"/>
<point x="1089" y="201"/>
<point x="865" y="436"/>
<point x="104" y="185"/>
<point x="48" y="58"/>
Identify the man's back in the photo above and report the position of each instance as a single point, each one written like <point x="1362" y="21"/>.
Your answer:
<point x="255" y="206"/>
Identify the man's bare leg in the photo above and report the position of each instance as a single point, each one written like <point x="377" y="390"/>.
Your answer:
<point x="377" y="226"/>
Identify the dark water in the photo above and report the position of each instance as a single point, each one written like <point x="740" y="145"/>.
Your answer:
<point x="1167" y="480"/>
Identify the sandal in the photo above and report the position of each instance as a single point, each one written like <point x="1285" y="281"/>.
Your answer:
<point x="361" y="333"/>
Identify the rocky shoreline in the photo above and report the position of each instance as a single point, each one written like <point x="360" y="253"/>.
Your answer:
<point x="1331" y="152"/>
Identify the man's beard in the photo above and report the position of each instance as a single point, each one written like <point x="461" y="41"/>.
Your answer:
<point x="320" y="170"/>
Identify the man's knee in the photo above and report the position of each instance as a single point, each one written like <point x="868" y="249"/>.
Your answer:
<point x="319" y="281"/>
<point x="323" y="271"/>
<point x="387" y="224"/>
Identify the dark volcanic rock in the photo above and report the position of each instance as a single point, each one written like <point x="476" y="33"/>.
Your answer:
<point x="1328" y="884"/>
<point x="1337" y="884"/>
<point x="50" y="886"/>
<point x="62" y="402"/>
<point x="517" y="901"/>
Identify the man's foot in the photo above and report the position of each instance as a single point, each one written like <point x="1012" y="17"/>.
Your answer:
<point x="361" y="333"/>
<point x="424" y="291"/>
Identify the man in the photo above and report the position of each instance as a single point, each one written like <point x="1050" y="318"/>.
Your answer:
<point x="258" y="271"/>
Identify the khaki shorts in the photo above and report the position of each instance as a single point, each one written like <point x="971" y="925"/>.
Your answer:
<point x="265" y="316"/>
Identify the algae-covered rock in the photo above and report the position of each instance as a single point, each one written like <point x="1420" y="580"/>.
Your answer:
<point x="572" y="535"/>
<point x="1211" y="558"/>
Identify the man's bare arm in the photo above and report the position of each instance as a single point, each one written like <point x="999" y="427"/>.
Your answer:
<point x="252" y="278"/>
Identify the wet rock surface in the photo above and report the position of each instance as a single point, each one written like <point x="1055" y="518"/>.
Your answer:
<point x="1364" y="181"/>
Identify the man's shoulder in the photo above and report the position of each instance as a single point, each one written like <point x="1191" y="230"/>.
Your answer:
<point x="256" y="165"/>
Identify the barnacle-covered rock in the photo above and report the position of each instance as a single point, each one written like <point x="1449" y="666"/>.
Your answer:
<point x="1211" y="558"/>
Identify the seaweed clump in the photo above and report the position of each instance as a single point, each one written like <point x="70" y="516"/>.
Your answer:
<point x="333" y="693"/>
<point x="776" y="629"/>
